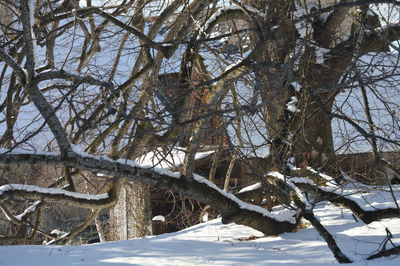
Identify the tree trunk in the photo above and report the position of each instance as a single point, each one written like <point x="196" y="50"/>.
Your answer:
<point x="297" y="84"/>
<point x="131" y="215"/>
<point x="300" y="130"/>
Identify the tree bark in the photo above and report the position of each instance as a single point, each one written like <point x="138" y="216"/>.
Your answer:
<point x="231" y="208"/>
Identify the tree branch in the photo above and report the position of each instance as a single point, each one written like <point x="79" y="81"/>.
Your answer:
<point x="367" y="216"/>
<point x="339" y="255"/>
<point x="231" y="208"/>
<point x="14" y="65"/>
<point x="61" y="74"/>
<point x="60" y="195"/>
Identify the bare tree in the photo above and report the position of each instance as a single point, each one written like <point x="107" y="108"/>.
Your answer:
<point x="93" y="87"/>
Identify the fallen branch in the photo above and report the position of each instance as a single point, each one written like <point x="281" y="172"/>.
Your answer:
<point x="339" y="255"/>
<point x="16" y="221"/>
<point x="67" y="237"/>
<point x="385" y="253"/>
<point x="306" y="210"/>
<point x="231" y="208"/>
<point x="367" y="216"/>
<point x="60" y="196"/>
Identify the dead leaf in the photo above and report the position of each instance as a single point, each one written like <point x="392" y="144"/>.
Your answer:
<point x="303" y="164"/>
<point x="314" y="154"/>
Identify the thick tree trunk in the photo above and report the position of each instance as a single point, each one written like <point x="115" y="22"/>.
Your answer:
<point x="300" y="130"/>
<point x="131" y="215"/>
<point x="297" y="84"/>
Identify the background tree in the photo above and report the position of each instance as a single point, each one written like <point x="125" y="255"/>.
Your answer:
<point x="98" y="85"/>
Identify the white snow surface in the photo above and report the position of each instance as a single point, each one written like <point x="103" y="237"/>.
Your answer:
<point x="217" y="244"/>
<point x="369" y="198"/>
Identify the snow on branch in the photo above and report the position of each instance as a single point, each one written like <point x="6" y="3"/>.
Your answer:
<point x="231" y="208"/>
<point x="225" y="11"/>
<point x="252" y="187"/>
<point x="159" y="177"/>
<point x="292" y="187"/>
<point x="64" y="237"/>
<point x="287" y="216"/>
<point x="369" y="205"/>
<point x="28" y="210"/>
<point x="55" y="195"/>
<point x="16" y="220"/>
<point x="53" y="191"/>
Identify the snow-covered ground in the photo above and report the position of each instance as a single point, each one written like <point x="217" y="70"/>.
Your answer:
<point x="218" y="244"/>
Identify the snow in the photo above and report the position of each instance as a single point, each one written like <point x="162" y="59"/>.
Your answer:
<point x="218" y="244"/>
<point x="320" y="54"/>
<point x="205" y="217"/>
<point x="166" y="172"/>
<point x="217" y="14"/>
<point x="57" y="232"/>
<point x="161" y="162"/>
<point x="224" y="9"/>
<point x="251" y="187"/>
<point x="143" y="164"/>
<point x="303" y="27"/>
<point x="254" y="10"/>
<point x="291" y="105"/>
<point x="287" y="216"/>
<point x="238" y="62"/>
<point x="168" y="159"/>
<point x="324" y="176"/>
<point x="290" y="184"/>
<point x="296" y="86"/>
<point x="370" y="198"/>
<point x="53" y="191"/>
<point x="31" y="4"/>
<point x="159" y="218"/>
<point x="28" y="210"/>
<point x="281" y="216"/>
